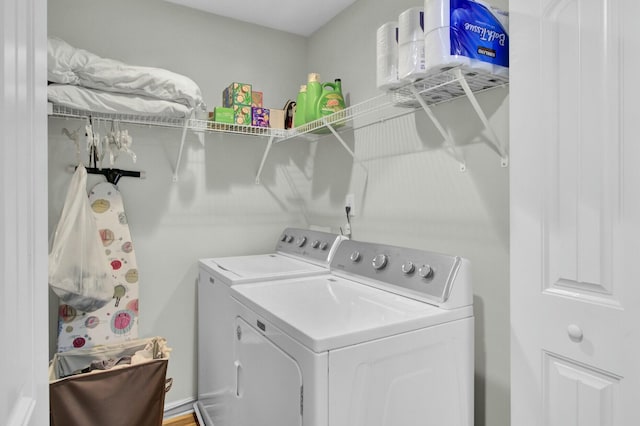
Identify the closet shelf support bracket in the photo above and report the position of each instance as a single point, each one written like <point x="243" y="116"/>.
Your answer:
<point x="344" y="144"/>
<point x="493" y="138"/>
<point x="451" y="146"/>
<point x="184" y="136"/>
<point x="264" y="159"/>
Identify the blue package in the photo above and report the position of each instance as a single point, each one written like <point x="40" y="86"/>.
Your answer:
<point x="477" y="33"/>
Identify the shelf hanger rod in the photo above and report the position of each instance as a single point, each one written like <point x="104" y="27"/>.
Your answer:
<point x="264" y="158"/>
<point x="455" y="152"/>
<point x="184" y="136"/>
<point x="344" y="144"/>
<point x="493" y="138"/>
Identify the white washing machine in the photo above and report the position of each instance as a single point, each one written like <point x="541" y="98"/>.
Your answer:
<point x="298" y="253"/>
<point x="386" y="339"/>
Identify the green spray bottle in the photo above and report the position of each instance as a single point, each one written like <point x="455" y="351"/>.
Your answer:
<point x="299" y="118"/>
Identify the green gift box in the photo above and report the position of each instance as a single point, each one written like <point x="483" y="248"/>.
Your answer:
<point x="237" y="94"/>
<point x="242" y="115"/>
<point x="224" y="115"/>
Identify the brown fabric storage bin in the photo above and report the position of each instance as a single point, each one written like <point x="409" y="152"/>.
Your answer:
<point x="127" y="396"/>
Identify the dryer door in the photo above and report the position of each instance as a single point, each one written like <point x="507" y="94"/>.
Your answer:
<point x="268" y="381"/>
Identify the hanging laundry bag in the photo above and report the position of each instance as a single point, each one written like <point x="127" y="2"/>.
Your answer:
<point x="122" y="384"/>
<point x="78" y="269"/>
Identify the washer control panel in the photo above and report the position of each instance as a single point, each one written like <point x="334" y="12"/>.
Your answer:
<point x="313" y="245"/>
<point x="416" y="272"/>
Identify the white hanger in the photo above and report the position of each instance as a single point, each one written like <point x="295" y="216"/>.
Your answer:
<point x="75" y="138"/>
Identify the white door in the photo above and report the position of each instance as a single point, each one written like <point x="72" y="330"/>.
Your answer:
<point x="575" y="212"/>
<point x="268" y="381"/>
<point x="23" y="213"/>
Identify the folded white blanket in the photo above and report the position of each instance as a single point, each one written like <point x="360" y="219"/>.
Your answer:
<point x="113" y="103"/>
<point x="69" y="65"/>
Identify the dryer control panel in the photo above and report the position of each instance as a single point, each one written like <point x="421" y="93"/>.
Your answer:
<point x="420" y="274"/>
<point x="312" y="245"/>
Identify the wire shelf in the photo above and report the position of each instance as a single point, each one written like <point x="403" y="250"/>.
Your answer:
<point x="446" y="86"/>
<point x="435" y="89"/>
<point x="214" y="126"/>
<point x="60" y="111"/>
<point x="442" y="87"/>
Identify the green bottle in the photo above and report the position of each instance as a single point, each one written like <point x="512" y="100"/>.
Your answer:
<point x="330" y="102"/>
<point x="331" y="99"/>
<point x="314" y="91"/>
<point x="341" y="103"/>
<point x="299" y="118"/>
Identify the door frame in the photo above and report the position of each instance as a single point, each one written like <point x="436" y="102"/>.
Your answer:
<point x="24" y="398"/>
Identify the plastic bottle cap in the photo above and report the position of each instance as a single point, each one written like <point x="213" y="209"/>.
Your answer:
<point x="313" y="77"/>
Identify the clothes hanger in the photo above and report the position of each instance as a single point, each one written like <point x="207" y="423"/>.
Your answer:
<point x="97" y="151"/>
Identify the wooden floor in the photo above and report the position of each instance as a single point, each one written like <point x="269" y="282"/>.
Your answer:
<point x="186" y="420"/>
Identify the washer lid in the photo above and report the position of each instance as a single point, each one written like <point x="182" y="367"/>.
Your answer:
<point x="246" y="269"/>
<point x="330" y="312"/>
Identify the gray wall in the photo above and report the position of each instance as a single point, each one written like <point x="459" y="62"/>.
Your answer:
<point x="413" y="193"/>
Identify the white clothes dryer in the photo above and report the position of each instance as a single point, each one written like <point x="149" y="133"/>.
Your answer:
<point x="386" y="339"/>
<point x="298" y="253"/>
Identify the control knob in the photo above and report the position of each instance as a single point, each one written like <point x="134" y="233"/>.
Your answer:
<point x="323" y="245"/>
<point x="315" y="244"/>
<point x="290" y="238"/>
<point x="380" y="261"/>
<point x="284" y="238"/>
<point x="355" y="256"/>
<point x="408" y="267"/>
<point x="425" y="271"/>
<point x="301" y="241"/>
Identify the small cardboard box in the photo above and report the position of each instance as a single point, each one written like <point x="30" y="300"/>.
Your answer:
<point x="276" y="119"/>
<point x="237" y="94"/>
<point x="242" y="115"/>
<point x="224" y="115"/>
<point x="260" y="117"/>
<point x="256" y="99"/>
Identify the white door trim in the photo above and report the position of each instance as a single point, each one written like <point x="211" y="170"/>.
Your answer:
<point x="23" y="213"/>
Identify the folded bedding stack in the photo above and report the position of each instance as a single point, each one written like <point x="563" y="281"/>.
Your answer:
<point x="89" y="82"/>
